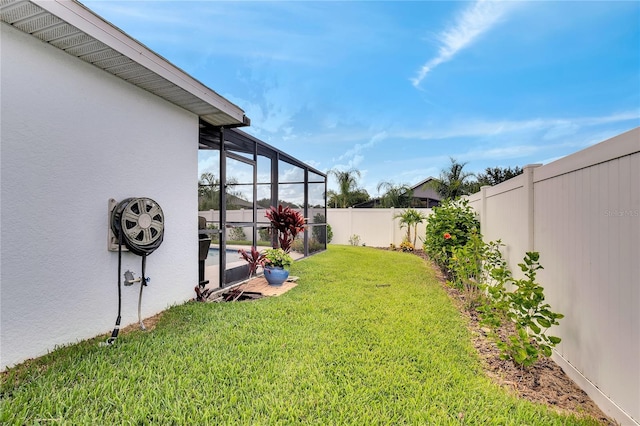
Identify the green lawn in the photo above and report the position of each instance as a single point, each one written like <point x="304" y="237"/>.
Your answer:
<point x="367" y="337"/>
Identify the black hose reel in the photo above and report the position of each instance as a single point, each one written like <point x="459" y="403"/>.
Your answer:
<point x="138" y="223"/>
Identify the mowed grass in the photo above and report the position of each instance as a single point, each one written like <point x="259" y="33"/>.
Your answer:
<point x="367" y="337"/>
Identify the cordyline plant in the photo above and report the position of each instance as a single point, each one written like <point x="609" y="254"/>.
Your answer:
<point x="288" y="223"/>
<point x="254" y="259"/>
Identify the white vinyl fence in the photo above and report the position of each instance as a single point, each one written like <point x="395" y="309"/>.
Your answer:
<point x="373" y="227"/>
<point x="582" y="213"/>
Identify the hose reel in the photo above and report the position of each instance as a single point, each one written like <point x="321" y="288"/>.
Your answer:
<point x="138" y="223"/>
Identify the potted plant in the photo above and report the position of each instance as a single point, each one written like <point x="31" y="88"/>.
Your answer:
<point x="275" y="263"/>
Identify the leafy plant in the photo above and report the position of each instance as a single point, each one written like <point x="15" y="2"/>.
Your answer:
<point x="406" y="246"/>
<point x="277" y="257"/>
<point x="354" y="240"/>
<point x="466" y="266"/>
<point x="525" y="308"/>
<point x="254" y="259"/>
<point x="450" y="225"/>
<point x="287" y="222"/>
<point x="322" y="234"/>
<point x="264" y="234"/>
<point x="215" y="237"/>
<point x="237" y="234"/>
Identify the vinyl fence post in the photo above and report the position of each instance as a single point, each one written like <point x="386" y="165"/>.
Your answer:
<point x="528" y="188"/>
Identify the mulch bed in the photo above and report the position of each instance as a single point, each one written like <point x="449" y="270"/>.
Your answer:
<point x="544" y="382"/>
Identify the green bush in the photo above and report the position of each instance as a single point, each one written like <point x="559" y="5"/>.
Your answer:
<point x="451" y="225"/>
<point x="237" y="234"/>
<point x="321" y="234"/>
<point x="215" y="238"/>
<point x="264" y="234"/>
<point x="524" y="307"/>
<point x="479" y="270"/>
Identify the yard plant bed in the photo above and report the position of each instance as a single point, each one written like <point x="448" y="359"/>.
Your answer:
<point x="544" y="382"/>
<point x="367" y="337"/>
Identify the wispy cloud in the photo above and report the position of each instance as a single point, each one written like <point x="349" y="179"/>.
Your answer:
<point x="470" y="24"/>
<point x="358" y="148"/>
<point x="551" y="128"/>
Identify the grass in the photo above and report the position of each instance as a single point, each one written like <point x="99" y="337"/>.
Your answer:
<point x="367" y="337"/>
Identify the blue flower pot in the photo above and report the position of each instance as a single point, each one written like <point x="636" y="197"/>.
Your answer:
<point x="275" y="275"/>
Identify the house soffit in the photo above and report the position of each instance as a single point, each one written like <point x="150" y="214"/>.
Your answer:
<point x="73" y="28"/>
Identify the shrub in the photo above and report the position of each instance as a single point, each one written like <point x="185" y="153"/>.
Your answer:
<point x="215" y="237"/>
<point x="354" y="240"/>
<point x="264" y="234"/>
<point x="466" y="266"/>
<point x="237" y="234"/>
<point x="524" y="308"/>
<point x="451" y="225"/>
<point x="481" y="272"/>
<point x="322" y="234"/>
<point x="406" y="246"/>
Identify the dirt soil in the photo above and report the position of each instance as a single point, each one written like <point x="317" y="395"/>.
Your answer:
<point x="544" y="382"/>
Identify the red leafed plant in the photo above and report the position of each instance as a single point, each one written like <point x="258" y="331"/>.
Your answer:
<point x="287" y="222"/>
<point x="254" y="258"/>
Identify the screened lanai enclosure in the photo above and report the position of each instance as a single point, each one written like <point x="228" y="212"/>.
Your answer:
<point x="241" y="177"/>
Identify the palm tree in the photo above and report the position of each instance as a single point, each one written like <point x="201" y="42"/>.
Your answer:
<point x="453" y="182"/>
<point x="411" y="218"/>
<point x="395" y="195"/>
<point x="347" y="182"/>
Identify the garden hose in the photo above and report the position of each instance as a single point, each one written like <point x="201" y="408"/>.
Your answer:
<point x="139" y="224"/>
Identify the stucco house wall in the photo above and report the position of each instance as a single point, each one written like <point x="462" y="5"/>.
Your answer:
<point x="74" y="136"/>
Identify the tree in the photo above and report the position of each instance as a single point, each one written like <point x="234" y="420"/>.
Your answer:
<point x="411" y="218"/>
<point x="395" y="195"/>
<point x="493" y="176"/>
<point x="349" y="193"/>
<point x="208" y="192"/>
<point x="453" y="181"/>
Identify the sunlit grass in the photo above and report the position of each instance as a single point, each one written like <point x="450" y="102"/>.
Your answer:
<point x="367" y="337"/>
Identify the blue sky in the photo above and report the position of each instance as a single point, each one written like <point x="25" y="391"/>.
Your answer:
<point x="394" y="89"/>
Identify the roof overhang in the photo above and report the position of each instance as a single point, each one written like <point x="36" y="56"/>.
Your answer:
<point x="70" y="26"/>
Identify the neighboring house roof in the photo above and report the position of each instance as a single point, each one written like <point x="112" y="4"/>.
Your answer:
<point x="70" y="26"/>
<point x="421" y="191"/>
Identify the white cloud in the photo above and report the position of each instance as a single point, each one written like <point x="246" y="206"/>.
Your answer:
<point x="358" y="148"/>
<point x="552" y="128"/>
<point x="475" y="20"/>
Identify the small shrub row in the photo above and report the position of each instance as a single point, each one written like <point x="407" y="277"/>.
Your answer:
<point x="453" y="241"/>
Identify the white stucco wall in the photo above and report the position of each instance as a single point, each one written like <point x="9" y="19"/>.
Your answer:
<point x="74" y="136"/>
